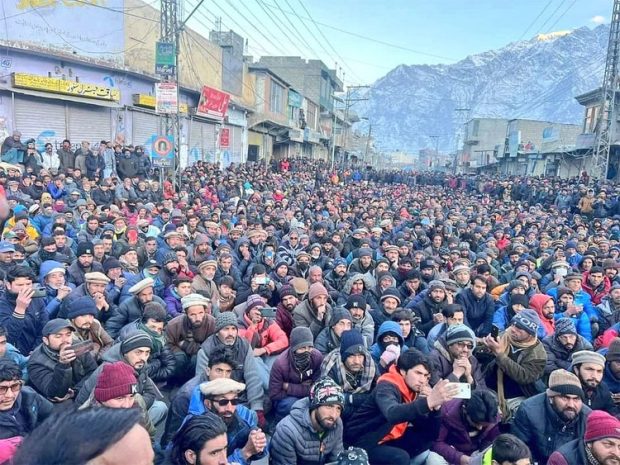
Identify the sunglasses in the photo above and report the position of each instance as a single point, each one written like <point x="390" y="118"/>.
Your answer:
<point x="225" y="402"/>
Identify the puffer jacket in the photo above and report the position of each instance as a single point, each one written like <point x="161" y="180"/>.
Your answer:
<point x="267" y="335"/>
<point x="29" y="410"/>
<point x="130" y="310"/>
<point x="425" y="310"/>
<point x="284" y="371"/>
<point x="558" y="356"/>
<point x="537" y="424"/>
<point x="296" y="442"/>
<point x="571" y="453"/>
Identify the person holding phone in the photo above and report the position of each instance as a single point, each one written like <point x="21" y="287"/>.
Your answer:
<point x="264" y="335"/>
<point x="57" y="369"/>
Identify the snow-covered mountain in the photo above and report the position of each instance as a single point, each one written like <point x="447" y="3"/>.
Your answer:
<point x="535" y="79"/>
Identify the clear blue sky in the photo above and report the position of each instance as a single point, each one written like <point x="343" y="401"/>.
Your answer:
<point x="432" y="31"/>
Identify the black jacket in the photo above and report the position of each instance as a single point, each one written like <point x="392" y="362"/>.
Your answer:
<point x="28" y="412"/>
<point x="24" y="332"/>
<point x="425" y="310"/>
<point x="537" y="424"/>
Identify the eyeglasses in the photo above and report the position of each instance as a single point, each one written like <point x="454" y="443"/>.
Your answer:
<point x="15" y="387"/>
<point x="465" y="345"/>
<point x="225" y="402"/>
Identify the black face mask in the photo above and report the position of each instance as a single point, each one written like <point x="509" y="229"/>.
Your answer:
<point x="302" y="361"/>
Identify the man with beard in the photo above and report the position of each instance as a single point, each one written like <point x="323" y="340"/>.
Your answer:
<point x="589" y="367"/>
<point x="562" y="344"/>
<point x="134" y="350"/>
<point x="609" y="309"/>
<point x="312" y="433"/>
<point x="185" y="333"/>
<point x="84" y="264"/>
<point x="400" y="421"/>
<point x="478" y="305"/>
<point x="452" y="357"/>
<point x="361" y="318"/>
<point x="284" y="310"/>
<point x="170" y="270"/>
<point x="519" y="361"/>
<point x="204" y="280"/>
<point x="56" y="371"/>
<point x="201" y="441"/>
<point x="329" y="338"/>
<point x="338" y="275"/>
<point x="302" y="265"/>
<point x="352" y="367"/>
<point x="430" y="309"/>
<point x="82" y="315"/>
<point x="549" y="420"/>
<point x="246" y="442"/>
<point x="132" y="308"/>
<point x="565" y="307"/>
<point x="364" y="263"/>
<point x="245" y="370"/>
<point x="313" y="312"/>
<point x="599" y="445"/>
<point x="21" y="314"/>
<point x="461" y="275"/>
<point x="95" y="288"/>
<point x="294" y="371"/>
<point x="427" y="270"/>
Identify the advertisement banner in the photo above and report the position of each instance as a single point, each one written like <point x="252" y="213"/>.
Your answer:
<point x="213" y="103"/>
<point x="294" y="99"/>
<point x="224" y="138"/>
<point x="95" y="27"/>
<point x="60" y="86"/>
<point x="166" y="98"/>
<point x="165" y="54"/>
<point x="162" y="154"/>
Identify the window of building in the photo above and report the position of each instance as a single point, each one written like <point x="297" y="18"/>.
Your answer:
<point x="589" y="124"/>
<point x="277" y="98"/>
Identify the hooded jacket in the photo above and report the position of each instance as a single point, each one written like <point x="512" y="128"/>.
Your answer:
<point x="130" y="310"/>
<point x="266" y="335"/>
<point x="296" y="442"/>
<point x="425" y="310"/>
<point x="558" y="356"/>
<point x="285" y="371"/>
<point x="537" y="302"/>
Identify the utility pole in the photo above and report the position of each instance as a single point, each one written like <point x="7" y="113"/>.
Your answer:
<point x="348" y="103"/>
<point x="607" y="113"/>
<point x="459" y="123"/>
<point x="436" y="139"/>
<point x="368" y="141"/>
<point x="170" y="33"/>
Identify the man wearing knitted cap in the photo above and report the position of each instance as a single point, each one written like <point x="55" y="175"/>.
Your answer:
<point x="612" y="369"/>
<point x="609" y="309"/>
<point x="389" y="301"/>
<point x="361" y="318"/>
<point x="284" y="310"/>
<point x="246" y="442"/>
<point x="429" y="309"/>
<point x="312" y="432"/>
<point x="519" y="361"/>
<point x="82" y="315"/>
<point x="599" y="444"/>
<point x="186" y="332"/>
<point x="132" y="309"/>
<point x="352" y="367"/>
<point x="294" y="371"/>
<point x="245" y="371"/>
<point x="134" y="351"/>
<point x="452" y="357"/>
<point x="264" y="336"/>
<point x="589" y="367"/>
<point x="562" y="344"/>
<point x="84" y="264"/>
<point x="313" y="312"/>
<point x="329" y="338"/>
<point x="551" y="419"/>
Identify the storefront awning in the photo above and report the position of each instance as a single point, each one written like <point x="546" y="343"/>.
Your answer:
<point x="68" y="98"/>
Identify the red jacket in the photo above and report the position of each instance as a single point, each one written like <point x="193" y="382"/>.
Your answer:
<point x="598" y="293"/>
<point x="267" y="335"/>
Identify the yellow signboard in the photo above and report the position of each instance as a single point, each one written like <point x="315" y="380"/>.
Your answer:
<point x="60" y="86"/>
<point x="148" y="101"/>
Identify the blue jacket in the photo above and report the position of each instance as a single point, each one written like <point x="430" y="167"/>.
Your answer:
<point x="376" y="350"/>
<point x="611" y="381"/>
<point x="238" y="431"/>
<point x="501" y="319"/>
<point x="24" y="331"/>
<point x="478" y="312"/>
<point x="14" y="355"/>
<point x="581" y="298"/>
<point x="582" y="324"/>
<point x="52" y="304"/>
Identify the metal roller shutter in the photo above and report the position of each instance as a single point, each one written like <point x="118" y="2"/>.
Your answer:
<point x="202" y="140"/>
<point x="237" y="144"/>
<point x="89" y="123"/>
<point x="144" y="126"/>
<point x="36" y="117"/>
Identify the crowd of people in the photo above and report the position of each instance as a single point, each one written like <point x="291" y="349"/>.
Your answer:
<point x="289" y="313"/>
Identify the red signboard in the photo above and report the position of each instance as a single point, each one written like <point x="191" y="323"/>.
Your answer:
<point x="224" y="138"/>
<point x="213" y="103"/>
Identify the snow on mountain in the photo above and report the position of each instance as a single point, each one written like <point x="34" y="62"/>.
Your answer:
<point x="534" y="79"/>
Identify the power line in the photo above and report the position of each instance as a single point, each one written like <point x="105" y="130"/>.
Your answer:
<point x="550" y="16"/>
<point x="535" y="19"/>
<point x="561" y="16"/>
<point x="341" y="60"/>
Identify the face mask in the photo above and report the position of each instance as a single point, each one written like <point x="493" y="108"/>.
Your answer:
<point x="302" y="360"/>
<point x="561" y="272"/>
